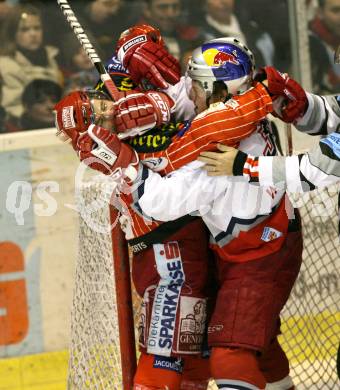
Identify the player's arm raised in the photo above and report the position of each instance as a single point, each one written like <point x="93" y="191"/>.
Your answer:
<point x="223" y="122"/>
<point x="141" y="50"/>
<point x="318" y="168"/>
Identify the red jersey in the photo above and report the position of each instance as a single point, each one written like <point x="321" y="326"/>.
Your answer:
<point x="227" y="123"/>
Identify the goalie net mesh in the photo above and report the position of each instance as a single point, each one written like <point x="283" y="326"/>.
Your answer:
<point x="95" y="361"/>
<point x="310" y="320"/>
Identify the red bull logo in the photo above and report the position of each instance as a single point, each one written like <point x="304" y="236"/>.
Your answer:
<point x="221" y="58"/>
<point x="214" y="57"/>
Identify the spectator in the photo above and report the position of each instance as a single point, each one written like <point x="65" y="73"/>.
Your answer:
<point x="5" y="7"/>
<point x="77" y="67"/>
<point x="272" y="18"/>
<point x="54" y="22"/>
<point x="105" y="19"/>
<point x="38" y="99"/>
<point x="326" y="26"/>
<point x="221" y="21"/>
<point x="167" y="16"/>
<point x="2" y="113"/>
<point x="23" y="57"/>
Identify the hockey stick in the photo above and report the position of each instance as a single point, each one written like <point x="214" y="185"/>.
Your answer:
<point x="120" y="253"/>
<point x="88" y="47"/>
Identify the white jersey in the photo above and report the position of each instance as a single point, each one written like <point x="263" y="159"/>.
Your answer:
<point x="227" y="205"/>
<point x="318" y="168"/>
<point x="184" y="108"/>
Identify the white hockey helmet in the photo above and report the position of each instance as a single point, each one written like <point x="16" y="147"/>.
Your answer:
<point x="222" y="59"/>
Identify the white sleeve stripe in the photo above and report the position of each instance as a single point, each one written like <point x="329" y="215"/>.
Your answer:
<point x="193" y="151"/>
<point x="305" y="119"/>
<point x="197" y="120"/>
<point x="265" y="170"/>
<point x="293" y="174"/>
<point x="315" y="116"/>
<point x="224" y="131"/>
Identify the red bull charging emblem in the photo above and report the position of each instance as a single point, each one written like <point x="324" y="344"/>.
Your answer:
<point x="214" y="57"/>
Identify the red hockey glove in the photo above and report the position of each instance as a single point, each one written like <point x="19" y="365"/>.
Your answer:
<point x="141" y="50"/>
<point x="137" y="112"/>
<point x="103" y="151"/>
<point x="295" y="102"/>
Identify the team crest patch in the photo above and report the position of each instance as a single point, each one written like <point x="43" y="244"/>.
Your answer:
<point x="192" y="325"/>
<point x="156" y="164"/>
<point x="168" y="363"/>
<point x="270" y="234"/>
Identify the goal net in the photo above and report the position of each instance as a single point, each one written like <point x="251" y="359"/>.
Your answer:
<point x="310" y="320"/>
<point x="95" y="356"/>
<point x="311" y="317"/>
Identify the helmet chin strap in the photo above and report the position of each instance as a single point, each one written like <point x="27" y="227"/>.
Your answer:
<point x="219" y="87"/>
<point x="228" y="97"/>
<point x="207" y="100"/>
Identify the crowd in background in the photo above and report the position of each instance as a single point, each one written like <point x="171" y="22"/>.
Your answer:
<point x="41" y="60"/>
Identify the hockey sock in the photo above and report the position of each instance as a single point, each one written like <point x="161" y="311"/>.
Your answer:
<point x="275" y="367"/>
<point x="196" y="373"/>
<point x="158" y="373"/>
<point x="284" y="384"/>
<point x="236" y="369"/>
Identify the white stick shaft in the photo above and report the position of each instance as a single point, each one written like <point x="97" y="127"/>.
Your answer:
<point x="88" y="47"/>
<point x="79" y="31"/>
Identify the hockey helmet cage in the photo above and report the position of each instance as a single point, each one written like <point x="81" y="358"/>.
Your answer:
<point x="222" y="59"/>
<point x="74" y="112"/>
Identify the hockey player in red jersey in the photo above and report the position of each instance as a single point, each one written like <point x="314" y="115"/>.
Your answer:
<point x="241" y="262"/>
<point x="316" y="169"/>
<point x="102" y="138"/>
<point x="191" y="239"/>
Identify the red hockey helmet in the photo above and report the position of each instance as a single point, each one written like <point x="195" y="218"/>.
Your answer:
<point x="152" y="34"/>
<point x="74" y="114"/>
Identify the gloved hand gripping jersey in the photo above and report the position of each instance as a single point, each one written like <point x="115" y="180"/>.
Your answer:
<point x="290" y="97"/>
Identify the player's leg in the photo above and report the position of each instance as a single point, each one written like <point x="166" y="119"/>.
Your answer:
<point x="156" y="372"/>
<point x="172" y="278"/>
<point x="189" y="373"/>
<point x="244" y="322"/>
<point x="273" y="361"/>
<point x="196" y="373"/>
<point x="274" y="365"/>
<point x="236" y="368"/>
